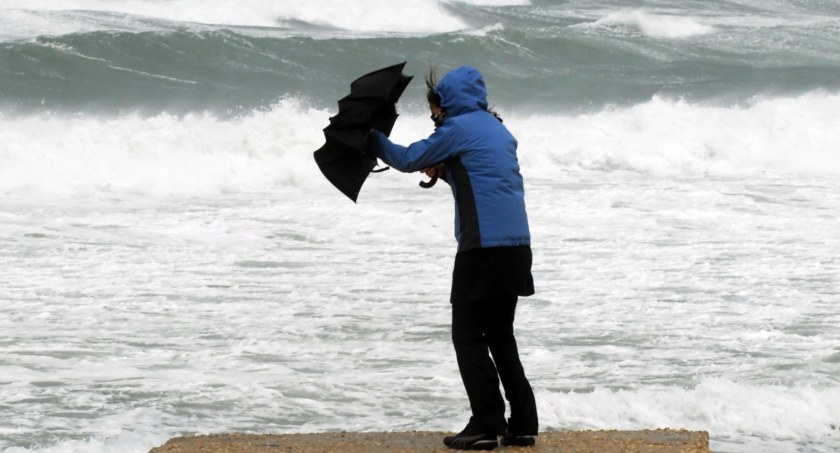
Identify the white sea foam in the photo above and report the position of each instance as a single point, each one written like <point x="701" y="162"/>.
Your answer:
<point x="23" y="24"/>
<point x="795" y="136"/>
<point x="199" y="154"/>
<point x="191" y="155"/>
<point x="495" y="2"/>
<point x="126" y="441"/>
<point x="661" y="303"/>
<point x="270" y="303"/>
<point x="727" y="409"/>
<point x="656" y="25"/>
<point x="402" y="16"/>
<point x="485" y="30"/>
<point x="772" y="417"/>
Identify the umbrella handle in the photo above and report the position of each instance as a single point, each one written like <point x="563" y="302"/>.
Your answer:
<point x="428" y="185"/>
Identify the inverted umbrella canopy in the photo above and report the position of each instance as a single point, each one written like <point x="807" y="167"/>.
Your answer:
<point x="370" y="105"/>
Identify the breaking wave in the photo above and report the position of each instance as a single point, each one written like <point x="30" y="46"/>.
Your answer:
<point x="201" y="154"/>
<point x="657" y="25"/>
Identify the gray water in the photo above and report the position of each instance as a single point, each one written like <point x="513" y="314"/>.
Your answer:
<point x="549" y="56"/>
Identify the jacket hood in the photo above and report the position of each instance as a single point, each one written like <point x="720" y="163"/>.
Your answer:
<point x="462" y="90"/>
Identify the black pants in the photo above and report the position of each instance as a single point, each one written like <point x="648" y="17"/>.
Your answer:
<point x="484" y="326"/>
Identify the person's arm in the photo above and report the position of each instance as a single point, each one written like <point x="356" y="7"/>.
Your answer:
<point x="417" y="156"/>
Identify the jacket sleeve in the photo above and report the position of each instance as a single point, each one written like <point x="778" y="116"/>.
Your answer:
<point x="418" y="155"/>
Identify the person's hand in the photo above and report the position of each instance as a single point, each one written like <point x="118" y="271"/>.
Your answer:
<point x="434" y="170"/>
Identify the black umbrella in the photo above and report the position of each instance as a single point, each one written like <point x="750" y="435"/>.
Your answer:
<point x="370" y="105"/>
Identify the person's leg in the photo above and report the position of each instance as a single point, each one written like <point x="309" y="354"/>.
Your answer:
<point x="502" y="343"/>
<point x="478" y="372"/>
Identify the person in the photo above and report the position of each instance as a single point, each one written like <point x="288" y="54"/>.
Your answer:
<point x="475" y="154"/>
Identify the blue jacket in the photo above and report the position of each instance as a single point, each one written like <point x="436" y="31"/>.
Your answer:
<point x="480" y="164"/>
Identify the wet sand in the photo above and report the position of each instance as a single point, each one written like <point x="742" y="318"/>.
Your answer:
<point x="647" y="441"/>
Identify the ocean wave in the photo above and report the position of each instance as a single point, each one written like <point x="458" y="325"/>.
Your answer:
<point x="196" y="154"/>
<point x="656" y="25"/>
<point x="382" y="16"/>
<point x="203" y="155"/>
<point x="773" y="136"/>
<point x="551" y="58"/>
<point x="123" y="440"/>
<point x="223" y="71"/>
<point x="780" y="418"/>
<point x="495" y="2"/>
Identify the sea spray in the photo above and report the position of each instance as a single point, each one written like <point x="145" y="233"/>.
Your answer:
<point x="196" y="154"/>
<point x="782" y="136"/>
<point x="657" y="26"/>
<point x="201" y="154"/>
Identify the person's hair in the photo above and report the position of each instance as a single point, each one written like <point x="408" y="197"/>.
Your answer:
<point x="431" y="82"/>
<point x="434" y="99"/>
<point x="495" y="113"/>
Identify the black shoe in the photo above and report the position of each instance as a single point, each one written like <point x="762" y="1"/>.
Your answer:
<point x="518" y="441"/>
<point x="469" y="440"/>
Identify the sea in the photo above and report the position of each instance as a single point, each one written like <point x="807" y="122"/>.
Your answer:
<point x="173" y="263"/>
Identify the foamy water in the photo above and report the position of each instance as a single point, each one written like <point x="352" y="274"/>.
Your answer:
<point x="656" y="25"/>
<point x="133" y="320"/>
<point x="168" y="276"/>
<point x="200" y="154"/>
<point x="404" y="16"/>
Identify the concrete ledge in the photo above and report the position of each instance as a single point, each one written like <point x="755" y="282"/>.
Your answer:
<point x="647" y="441"/>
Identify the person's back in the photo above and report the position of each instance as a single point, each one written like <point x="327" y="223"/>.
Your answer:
<point x="480" y="160"/>
<point x="487" y="168"/>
